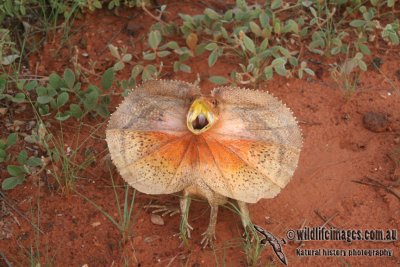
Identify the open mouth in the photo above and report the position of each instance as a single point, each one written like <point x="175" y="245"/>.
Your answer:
<point x="200" y="117"/>
<point x="200" y="122"/>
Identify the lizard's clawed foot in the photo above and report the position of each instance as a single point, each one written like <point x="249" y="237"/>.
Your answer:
<point x="163" y="209"/>
<point x="248" y="230"/>
<point x="184" y="233"/>
<point x="185" y="230"/>
<point x="208" y="238"/>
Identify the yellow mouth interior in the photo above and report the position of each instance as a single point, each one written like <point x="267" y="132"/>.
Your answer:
<point x="200" y="117"/>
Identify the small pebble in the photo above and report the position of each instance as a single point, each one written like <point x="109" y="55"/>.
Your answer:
<point x="136" y="240"/>
<point x="3" y="111"/>
<point x="152" y="238"/>
<point x="376" y="122"/>
<point x="133" y="27"/>
<point x="20" y="109"/>
<point x="157" y="219"/>
<point x="398" y="75"/>
<point x="396" y="140"/>
<point x="377" y="62"/>
<point x="95" y="224"/>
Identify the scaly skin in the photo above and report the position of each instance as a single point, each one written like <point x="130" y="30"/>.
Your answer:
<point x="167" y="137"/>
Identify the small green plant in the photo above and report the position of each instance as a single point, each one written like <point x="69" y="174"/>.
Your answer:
<point x="366" y="24"/>
<point x="147" y="72"/>
<point x="59" y="91"/>
<point x="347" y="74"/>
<point x="12" y="8"/>
<point x="9" y="142"/>
<point x="264" y="43"/>
<point x="390" y="33"/>
<point x="251" y="241"/>
<point x="19" y="172"/>
<point x="27" y="165"/>
<point x="244" y="32"/>
<point x="8" y="50"/>
<point x="128" y="3"/>
<point x="122" y="57"/>
<point x="45" y="99"/>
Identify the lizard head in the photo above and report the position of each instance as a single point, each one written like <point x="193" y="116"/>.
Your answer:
<point x="202" y="115"/>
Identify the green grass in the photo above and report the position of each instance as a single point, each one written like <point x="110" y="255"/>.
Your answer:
<point x="251" y="244"/>
<point x="183" y="231"/>
<point x="33" y="254"/>
<point x="126" y="217"/>
<point x="71" y="167"/>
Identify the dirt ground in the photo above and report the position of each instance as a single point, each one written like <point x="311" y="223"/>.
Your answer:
<point x="338" y="150"/>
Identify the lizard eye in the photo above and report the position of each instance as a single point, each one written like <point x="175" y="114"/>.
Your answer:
<point x="215" y="102"/>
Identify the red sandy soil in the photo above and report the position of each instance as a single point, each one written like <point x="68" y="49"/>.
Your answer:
<point x="338" y="150"/>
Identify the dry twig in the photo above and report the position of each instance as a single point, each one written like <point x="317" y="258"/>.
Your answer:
<point x="8" y="202"/>
<point x="327" y="221"/>
<point x="372" y="182"/>
<point x="4" y="259"/>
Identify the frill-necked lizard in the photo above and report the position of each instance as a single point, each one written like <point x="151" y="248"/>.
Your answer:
<point x="167" y="137"/>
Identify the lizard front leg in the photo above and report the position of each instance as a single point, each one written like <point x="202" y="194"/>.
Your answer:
<point x="244" y="214"/>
